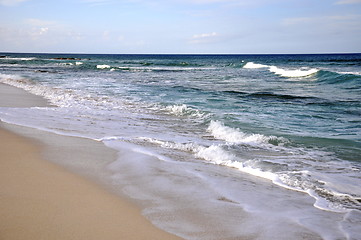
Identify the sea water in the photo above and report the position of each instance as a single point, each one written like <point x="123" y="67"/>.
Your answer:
<point x="213" y="146"/>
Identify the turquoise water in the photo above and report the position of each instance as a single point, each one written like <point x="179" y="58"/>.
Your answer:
<point x="293" y="120"/>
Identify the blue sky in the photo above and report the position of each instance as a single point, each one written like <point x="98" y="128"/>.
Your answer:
<point x="180" y="26"/>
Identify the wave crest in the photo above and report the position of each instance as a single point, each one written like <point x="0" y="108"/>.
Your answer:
<point x="104" y="66"/>
<point x="254" y="65"/>
<point x="231" y="135"/>
<point x="283" y="72"/>
<point x="18" y="58"/>
<point x="184" y="110"/>
<point x="215" y="154"/>
<point x="292" y="73"/>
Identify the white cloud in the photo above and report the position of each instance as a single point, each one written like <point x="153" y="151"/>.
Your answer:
<point x="330" y="20"/>
<point x="11" y="2"/>
<point x="36" y="34"/>
<point x="204" y="37"/>
<point x="38" y="22"/>
<point x="43" y="30"/>
<point x="348" y="2"/>
<point x="37" y="28"/>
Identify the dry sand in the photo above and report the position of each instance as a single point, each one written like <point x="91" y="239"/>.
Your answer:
<point x="41" y="200"/>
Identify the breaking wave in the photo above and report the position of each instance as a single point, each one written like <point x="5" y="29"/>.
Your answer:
<point x="231" y="135"/>
<point x="293" y="73"/>
<point x="103" y="66"/>
<point x="214" y="154"/>
<point x="314" y="184"/>
<point x="302" y="72"/>
<point x="58" y="96"/>
<point x="254" y="65"/>
<point x="18" y="58"/>
<point x="184" y="110"/>
<point x="151" y="69"/>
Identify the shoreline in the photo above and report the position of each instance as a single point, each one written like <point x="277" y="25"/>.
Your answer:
<point x="43" y="200"/>
<point x="198" y="160"/>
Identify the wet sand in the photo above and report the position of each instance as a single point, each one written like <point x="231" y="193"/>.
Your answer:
<point x="41" y="200"/>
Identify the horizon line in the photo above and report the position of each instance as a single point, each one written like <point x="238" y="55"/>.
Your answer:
<point x="78" y="53"/>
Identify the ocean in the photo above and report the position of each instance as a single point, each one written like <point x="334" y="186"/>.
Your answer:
<point x="213" y="146"/>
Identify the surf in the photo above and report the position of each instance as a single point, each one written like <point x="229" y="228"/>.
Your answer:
<point x="290" y="73"/>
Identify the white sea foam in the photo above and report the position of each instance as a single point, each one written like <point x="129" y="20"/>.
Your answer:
<point x="57" y="96"/>
<point x="111" y="138"/>
<point x="65" y="64"/>
<point x="292" y="73"/>
<point x="231" y="135"/>
<point x="151" y="69"/>
<point x="5" y="78"/>
<point x="201" y="152"/>
<point x="254" y="65"/>
<point x="178" y="109"/>
<point x="53" y="95"/>
<point x="215" y="154"/>
<point x="184" y="110"/>
<point x="18" y="59"/>
<point x="186" y="147"/>
<point x="283" y="72"/>
<point x="324" y="204"/>
<point x="302" y="181"/>
<point x="78" y="63"/>
<point x="313" y="184"/>
<point x="351" y="73"/>
<point x="103" y="66"/>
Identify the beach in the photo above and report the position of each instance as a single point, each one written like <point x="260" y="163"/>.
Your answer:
<point x="205" y="147"/>
<point x="41" y="200"/>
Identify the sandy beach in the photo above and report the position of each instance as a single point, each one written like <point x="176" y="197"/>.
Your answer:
<point x="41" y="200"/>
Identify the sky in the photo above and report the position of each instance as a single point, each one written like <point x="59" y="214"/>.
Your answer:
<point x="180" y="26"/>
